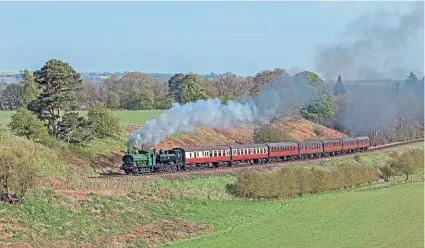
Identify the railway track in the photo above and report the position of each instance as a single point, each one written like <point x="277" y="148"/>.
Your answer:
<point x="229" y="170"/>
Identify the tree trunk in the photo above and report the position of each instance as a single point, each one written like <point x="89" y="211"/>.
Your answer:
<point x="6" y="181"/>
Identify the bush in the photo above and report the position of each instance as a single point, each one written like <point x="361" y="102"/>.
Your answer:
<point x="318" y="130"/>
<point x="407" y="163"/>
<point x="270" y="134"/>
<point x="24" y="123"/>
<point x="103" y="123"/>
<point x="17" y="173"/>
<point x="291" y="181"/>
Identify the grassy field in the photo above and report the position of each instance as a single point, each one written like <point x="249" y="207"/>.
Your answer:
<point x="141" y="212"/>
<point x="387" y="217"/>
<point x="69" y="209"/>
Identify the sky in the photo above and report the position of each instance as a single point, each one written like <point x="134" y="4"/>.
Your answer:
<point x="170" y="37"/>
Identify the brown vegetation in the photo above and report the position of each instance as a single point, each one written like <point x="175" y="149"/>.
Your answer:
<point x="295" y="128"/>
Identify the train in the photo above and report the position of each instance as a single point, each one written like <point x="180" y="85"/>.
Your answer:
<point x="196" y="158"/>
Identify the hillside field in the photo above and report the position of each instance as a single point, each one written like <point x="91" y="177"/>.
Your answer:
<point x="70" y="208"/>
<point x="387" y="217"/>
<point x="107" y="153"/>
<point x="146" y="212"/>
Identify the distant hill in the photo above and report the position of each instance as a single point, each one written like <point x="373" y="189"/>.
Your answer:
<point x="14" y="77"/>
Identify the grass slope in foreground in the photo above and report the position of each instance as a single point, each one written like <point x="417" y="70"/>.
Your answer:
<point x="387" y="217"/>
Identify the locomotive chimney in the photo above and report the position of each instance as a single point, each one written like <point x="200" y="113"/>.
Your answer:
<point x="154" y="150"/>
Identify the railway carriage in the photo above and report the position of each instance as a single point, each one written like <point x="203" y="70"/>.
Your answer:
<point x="252" y="153"/>
<point x="332" y="147"/>
<point x="364" y="143"/>
<point x="283" y="151"/>
<point x="310" y="149"/>
<point x="349" y="145"/>
<point x="205" y="156"/>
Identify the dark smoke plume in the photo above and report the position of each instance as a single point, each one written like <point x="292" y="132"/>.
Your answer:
<point x="378" y="48"/>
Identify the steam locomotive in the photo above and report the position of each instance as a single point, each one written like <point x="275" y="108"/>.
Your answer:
<point x="195" y="158"/>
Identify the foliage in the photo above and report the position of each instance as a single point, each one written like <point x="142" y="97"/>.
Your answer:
<point x="17" y="173"/>
<point x="339" y="88"/>
<point x="174" y="87"/>
<point x="10" y="97"/>
<point x="271" y="134"/>
<point x="406" y="163"/>
<point x="103" y="123"/>
<point x="291" y="181"/>
<point x="24" y="123"/>
<point x="29" y="88"/>
<point x="265" y="78"/>
<point x="59" y="83"/>
<point x="320" y="109"/>
<point x="142" y="99"/>
<point x="73" y="127"/>
<point x="228" y="97"/>
<point x="191" y="89"/>
<point x="113" y="101"/>
<point x="318" y="130"/>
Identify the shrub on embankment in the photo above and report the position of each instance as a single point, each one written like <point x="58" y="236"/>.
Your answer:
<point x="407" y="164"/>
<point x="288" y="182"/>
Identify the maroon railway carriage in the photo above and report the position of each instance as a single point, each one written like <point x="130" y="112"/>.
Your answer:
<point x="207" y="155"/>
<point x="363" y="142"/>
<point x="313" y="148"/>
<point x="252" y="153"/>
<point x="283" y="151"/>
<point x="349" y="144"/>
<point x="331" y="147"/>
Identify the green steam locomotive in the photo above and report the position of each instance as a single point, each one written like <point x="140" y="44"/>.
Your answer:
<point x="145" y="161"/>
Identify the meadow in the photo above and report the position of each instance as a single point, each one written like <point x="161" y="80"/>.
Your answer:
<point x="386" y="217"/>
<point x="70" y="209"/>
<point x="146" y="212"/>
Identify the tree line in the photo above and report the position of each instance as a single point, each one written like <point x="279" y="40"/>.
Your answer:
<point x="58" y="87"/>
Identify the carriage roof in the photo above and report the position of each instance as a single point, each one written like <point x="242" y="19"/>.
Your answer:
<point x="248" y="146"/>
<point x="205" y="148"/>
<point x="282" y="144"/>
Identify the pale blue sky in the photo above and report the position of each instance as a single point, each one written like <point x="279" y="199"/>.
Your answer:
<point x="241" y="37"/>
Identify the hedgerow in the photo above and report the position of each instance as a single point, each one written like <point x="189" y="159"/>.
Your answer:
<point x="288" y="182"/>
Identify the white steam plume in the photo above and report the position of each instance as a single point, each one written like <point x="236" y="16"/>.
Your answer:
<point x="273" y="100"/>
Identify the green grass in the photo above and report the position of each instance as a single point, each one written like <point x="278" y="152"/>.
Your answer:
<point x="387" y="217"/>
<point x="5" y="117"/>
<point x="355" y="218"/>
